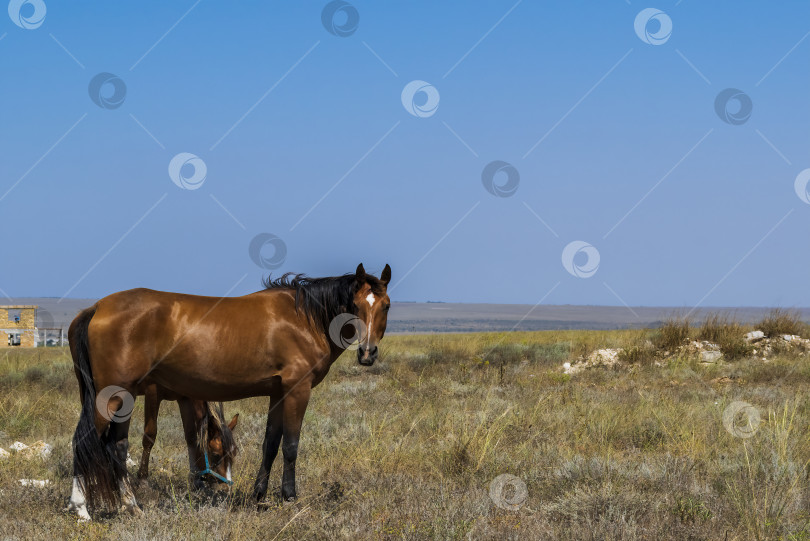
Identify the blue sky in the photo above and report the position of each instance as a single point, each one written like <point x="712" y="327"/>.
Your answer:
<point x="304" y="136"/>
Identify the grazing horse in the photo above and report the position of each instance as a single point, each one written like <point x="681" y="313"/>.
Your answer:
<point x="211" y="448"/>
<point x="278" y="342"/>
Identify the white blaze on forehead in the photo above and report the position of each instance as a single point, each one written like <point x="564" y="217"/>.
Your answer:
<point x="371" y="299"/>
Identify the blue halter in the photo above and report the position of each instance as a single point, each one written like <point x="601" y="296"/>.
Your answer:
<point x="209" y="471"/>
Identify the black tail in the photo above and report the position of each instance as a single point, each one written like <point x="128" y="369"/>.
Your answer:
<point x="93" y="460"/>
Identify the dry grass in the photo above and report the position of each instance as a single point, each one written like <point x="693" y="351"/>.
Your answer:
<point x="780" y="321"/>
<point x="672" y="333"/>
<point x="408" y="449"/>
<point x="727" y="333"/>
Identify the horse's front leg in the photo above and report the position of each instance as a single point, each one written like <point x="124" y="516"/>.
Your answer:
<point x="191" y="425"/>
<point x="272" y="439"/>
<point x="295" y="405"/>
<point x="150" y="417"/>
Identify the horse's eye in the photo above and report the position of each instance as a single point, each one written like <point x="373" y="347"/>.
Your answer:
<point x="386" y="307"/>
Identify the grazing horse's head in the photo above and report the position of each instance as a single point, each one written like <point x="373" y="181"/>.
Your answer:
<point x="372" y="303"/>
<point x="216" y="441"/>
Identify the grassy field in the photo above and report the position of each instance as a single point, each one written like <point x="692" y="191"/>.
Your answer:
<point x="409" y="448"/>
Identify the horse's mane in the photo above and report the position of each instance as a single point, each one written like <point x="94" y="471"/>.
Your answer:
<point x="323" y="299"/>
<point x="215" y="415"/>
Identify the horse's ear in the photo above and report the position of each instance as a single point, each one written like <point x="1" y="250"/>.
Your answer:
<point x="233" y="422"/>
<point x="360" y="274"/>
<point x="385" y="277"/>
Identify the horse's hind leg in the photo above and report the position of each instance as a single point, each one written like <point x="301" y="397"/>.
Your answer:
<point x="78" y="502"/>
<point x="150" y="417"/>
<point x="78" y="499"/>
<point x="119" y="439"/>
<point x="272" y="439"/>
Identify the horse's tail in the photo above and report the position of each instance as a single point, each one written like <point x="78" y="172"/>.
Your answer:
<point x="93" y="460"/>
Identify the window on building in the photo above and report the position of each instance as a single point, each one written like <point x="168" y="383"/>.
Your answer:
<point x="14" y="315"/>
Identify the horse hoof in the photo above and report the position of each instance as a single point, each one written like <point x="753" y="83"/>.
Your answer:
<point x="84" y="516"/>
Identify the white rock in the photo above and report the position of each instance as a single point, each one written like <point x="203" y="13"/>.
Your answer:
<point x="710" y="356"/>
<point x="694" y="347"/>
<point x="604" y="356"/>
<point x="754" y="336"/>
<point x="575" y="368"/>
<point x="131" y="462"/>
<point x="4" y="454"/>
<point x="39" y="483"/>
<point x="789" y="337"/>
<point x="601" y="357"/>
<point x="41" y="448"/>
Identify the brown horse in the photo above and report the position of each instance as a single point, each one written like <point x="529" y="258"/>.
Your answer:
<point x="278" y="342"/>
<point x="211" y="448"/>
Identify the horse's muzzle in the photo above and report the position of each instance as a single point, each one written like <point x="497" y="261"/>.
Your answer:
<point x="367" y="356"/>
<point x="220" y="486"/>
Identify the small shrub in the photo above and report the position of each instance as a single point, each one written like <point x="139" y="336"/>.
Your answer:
<point x="34" y="374"/>
<point x="672" y="333"/>
<point x="715" y="328"/>
<point x="61" y="376"/>
<point x="551" y="353"/>
<point x="512" y="354"/>
<point x="736" y="349"/>
<point x="779" y="322"/>
<point x="440" y="351"/>
<point x="457" y="461"/>
<point x="11" y="380"/>
<point x="728" y="334"/>
<point x="646" y="436"/>
<point x="642" y="353"/>
<point x="505" y="354"/>
<point x="689" y="509"/>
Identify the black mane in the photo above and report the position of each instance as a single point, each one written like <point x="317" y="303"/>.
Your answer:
<point x="323" y="299"/>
